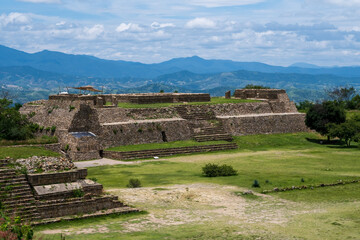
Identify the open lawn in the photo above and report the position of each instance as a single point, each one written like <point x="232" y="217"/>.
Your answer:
<point x="182" y="204"/>
<point x="214" y="100"/>
<point x="150" y="146"/>
<point x="25" y="152"/>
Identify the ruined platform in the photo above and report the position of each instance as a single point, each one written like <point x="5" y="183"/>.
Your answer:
<point x="85" y="127"/>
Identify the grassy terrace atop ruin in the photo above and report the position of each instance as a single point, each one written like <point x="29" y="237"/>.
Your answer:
<point x="25" y="152"/>
<point x="214" y="100"/>
<point x="151" y="146"/>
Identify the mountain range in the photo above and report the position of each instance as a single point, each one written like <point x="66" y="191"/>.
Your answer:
<point x="29" y="74"/>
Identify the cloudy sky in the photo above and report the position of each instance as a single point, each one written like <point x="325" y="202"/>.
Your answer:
<point x="277" y="32"/>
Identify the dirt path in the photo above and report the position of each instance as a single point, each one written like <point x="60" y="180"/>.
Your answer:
<point x="197" y="204"/>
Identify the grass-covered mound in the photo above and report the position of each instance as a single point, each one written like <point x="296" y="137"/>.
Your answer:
<point x="214" y="100"/>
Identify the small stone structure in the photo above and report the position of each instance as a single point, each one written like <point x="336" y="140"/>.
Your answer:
<point x="48" y="197"/>
<point x="228" y="95"/>
<point x="85" y="126"/>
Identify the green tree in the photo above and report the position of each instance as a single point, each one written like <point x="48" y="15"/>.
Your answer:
<point x="13" y="125"/>
<point x="320" y="115"/>
<point x="348" y="131"/>
<point x="341" y="94"/>
<point x="252" y="86"/>
<point x="304" y="105"/>
<point x="354" y="103"/>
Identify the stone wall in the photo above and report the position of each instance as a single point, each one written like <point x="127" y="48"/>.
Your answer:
<point x="145" y="131"/>
<point x="53" y="178"/>
<point x="111" y="115"/>
<point x="264" y="124"/>
<point x="269" y="94"/>
<point x="52" y="209"/>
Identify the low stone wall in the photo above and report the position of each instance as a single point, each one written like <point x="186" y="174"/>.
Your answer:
<point x="145" y="131"/>
<point x="167" y="151"/>
<point x="54" y="178"/>
<point x="147" y="98"/>
<point x="59" y="208"/>
<point x="270" y="94"/>
<point x="110" y="115"/>
<point x="264" y="124"/>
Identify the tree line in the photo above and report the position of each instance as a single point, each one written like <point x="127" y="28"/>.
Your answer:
<point x="329" y="117"/>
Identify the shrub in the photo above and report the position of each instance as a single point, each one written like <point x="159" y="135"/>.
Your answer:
<point x="214" y="170"/>
<point x="71" y="108"/>
<point x="47" y="129"/>
<point x="41" y="128"/>
<point x="256" y="184"/>
<point x="93" y="179"/>
<point x="53" y="129"/>
<point x="78" y="193"/>
<point x="134" y="183"/>
<point x="67" y="147"/>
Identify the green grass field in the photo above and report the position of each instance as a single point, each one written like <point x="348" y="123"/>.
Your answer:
<point x="150" y="146"/>
<point x="25" y="152"/>
<point x="214" y="100"/>
<point x="182" y="204"/>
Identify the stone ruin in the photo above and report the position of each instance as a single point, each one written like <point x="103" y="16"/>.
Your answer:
<point x="88" y="124"/>
<point x="48" y="197"/>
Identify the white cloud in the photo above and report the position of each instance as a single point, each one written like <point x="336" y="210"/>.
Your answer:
<point x="348" y="3"/>
<point x="128" y="27"/>
<point x="91" y="33"/>
<point x="157" y="25"/>
<point x="41" y="1"/>
<point x="223" y="3"/>
<point x="14" y="18"/>
<point x="200" y="23"/>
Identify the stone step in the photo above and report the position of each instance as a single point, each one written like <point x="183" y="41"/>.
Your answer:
<point x="11" y="182"/>
<point x="214" y="137"/>
<point x="16" y="201"/>
<point x="119" y="210"/>
<point x="168" y="152"/>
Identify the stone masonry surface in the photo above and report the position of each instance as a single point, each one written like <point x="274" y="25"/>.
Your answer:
<point x="114" y="126"/>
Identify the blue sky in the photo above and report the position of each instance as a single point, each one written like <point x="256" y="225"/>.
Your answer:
<point x="277" y="32"/>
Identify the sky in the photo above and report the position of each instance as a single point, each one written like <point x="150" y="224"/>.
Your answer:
<point x="276" y="32"/>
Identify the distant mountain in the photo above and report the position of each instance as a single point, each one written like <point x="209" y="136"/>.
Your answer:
<point x="89" y="66"/>
<point x="304" y="65"/>
<point x="32" y="84"/>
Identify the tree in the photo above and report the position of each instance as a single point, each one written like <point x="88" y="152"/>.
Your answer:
<point x="304" y="105"/>
<point x="320" y="115"/>
<point x="13" y="125"/>
<point x="252" y="86"/>
<point x="354" y="103"/>
<point x="348" y="131"/>
<point x="341" y="94"/>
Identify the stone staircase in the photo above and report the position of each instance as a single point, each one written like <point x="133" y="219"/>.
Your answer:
<point x="199" y="118"/>
<point x="19" y="198"/>
<point x="194" y="113"/>
<point x="216" y="133"/>
<point x="167" y="151"/>
<point x="16" y="195"/>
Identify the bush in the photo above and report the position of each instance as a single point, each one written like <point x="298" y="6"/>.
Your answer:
<point x="14" y="228"/>
<point x="134" y="183"/>
<point x="53" y="129"/>
<point x="78" y="193"/>
<point x="214" y="170"/>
